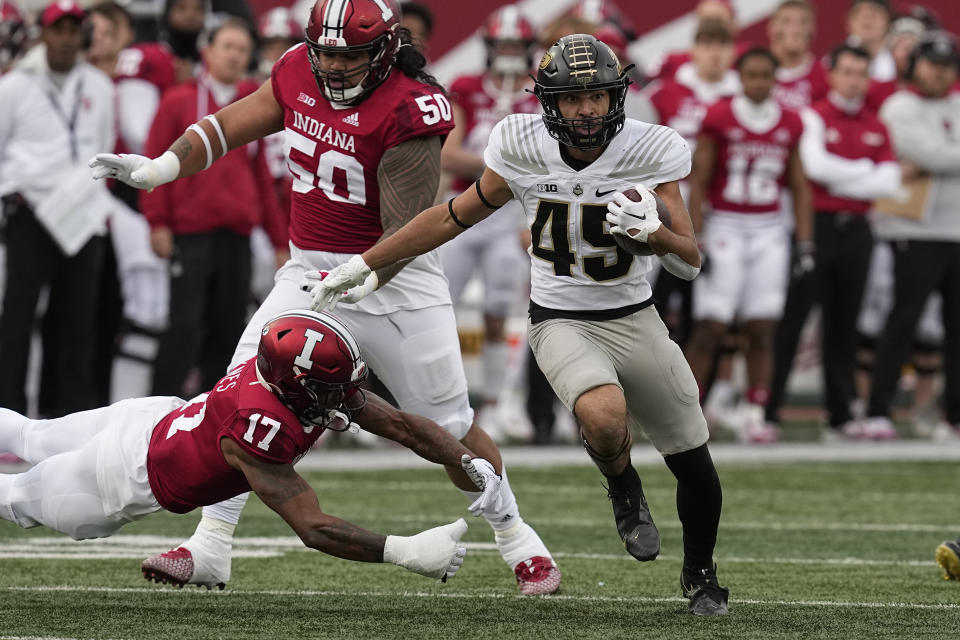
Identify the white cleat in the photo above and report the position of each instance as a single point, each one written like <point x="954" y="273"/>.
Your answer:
<point x="879" y="429"/>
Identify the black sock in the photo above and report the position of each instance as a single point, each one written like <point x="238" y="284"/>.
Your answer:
<point x="625" y="481"/>
<point x="699" y="500"/>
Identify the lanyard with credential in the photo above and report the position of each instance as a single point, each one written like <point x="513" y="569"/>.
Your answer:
<point x="71" y="122"/>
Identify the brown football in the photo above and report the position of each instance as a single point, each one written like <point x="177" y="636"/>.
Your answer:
<point x="636" y="247"/>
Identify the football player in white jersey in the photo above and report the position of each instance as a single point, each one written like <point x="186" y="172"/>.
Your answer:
<point x="593" y="327"/>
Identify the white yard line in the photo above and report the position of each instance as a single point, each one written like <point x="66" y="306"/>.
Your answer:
<point x="125" y="547"/>
<point x="284" y="593"/>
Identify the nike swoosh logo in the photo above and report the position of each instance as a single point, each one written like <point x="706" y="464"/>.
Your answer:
<point x="600" y="194"/>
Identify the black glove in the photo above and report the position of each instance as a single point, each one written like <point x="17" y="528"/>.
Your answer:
<point x="804" y="260"/>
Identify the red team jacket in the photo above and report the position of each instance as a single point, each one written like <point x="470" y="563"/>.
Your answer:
<point x="235" y="193"/>
<point x="335" y="151"/>
<point x="751" y="167"/>
<point x="185" y="465"/>
<point x="860" y="135"/>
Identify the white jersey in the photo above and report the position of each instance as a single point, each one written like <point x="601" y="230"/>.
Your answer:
<point x="576" y="265"/>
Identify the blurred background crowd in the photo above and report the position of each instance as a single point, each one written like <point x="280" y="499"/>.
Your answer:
<point x="109" y="293"/>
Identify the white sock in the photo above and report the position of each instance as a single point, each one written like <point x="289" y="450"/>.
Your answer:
<point x="212" y="537"/>
<point x="494" y="369"/>
<point x="509" y="515"/>
<point x="6" y="485"/>
<point x="721" y="394"/>
<point x="227" y="511"/>
<point x="11" y="432"/>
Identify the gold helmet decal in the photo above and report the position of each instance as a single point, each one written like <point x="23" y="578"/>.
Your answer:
<point x="582" y="60"/>
<point x="545" y="60"/>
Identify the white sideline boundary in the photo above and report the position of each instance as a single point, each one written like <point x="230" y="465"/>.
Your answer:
<point x="644" y="454"/>
<point x="393" y="457"/>
<point x="284" y="593"/>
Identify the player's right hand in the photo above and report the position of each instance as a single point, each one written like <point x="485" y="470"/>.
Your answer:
<point x="343" y="279"/>
<point x="635" y="219"/>
<point x="435" y="553"/>
<point x="137" y="171"/>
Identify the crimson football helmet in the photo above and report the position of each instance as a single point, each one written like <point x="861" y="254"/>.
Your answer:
<point x="278" y="24"/>
<point x="350" y="27"/>
<point x="507" y="26"/>
<point x="312" y="363"/>
<point x="13" y="33"/>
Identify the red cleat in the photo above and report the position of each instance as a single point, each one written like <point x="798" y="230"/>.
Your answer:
<point x="174" y="567"/>
<point x="537" y="576"/>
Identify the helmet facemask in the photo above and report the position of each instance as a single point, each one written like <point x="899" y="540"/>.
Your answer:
<point x="579" y="63"/>
<point x="365" y="76"/>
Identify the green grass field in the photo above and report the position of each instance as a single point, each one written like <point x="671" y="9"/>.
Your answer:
<point x="808" y="551"/>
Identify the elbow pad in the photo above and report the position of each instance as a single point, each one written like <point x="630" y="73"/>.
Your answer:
<point x="679" y="267"/>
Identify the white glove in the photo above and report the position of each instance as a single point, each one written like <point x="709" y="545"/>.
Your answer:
<point x="634" y="219"/>
<point x="137" y="171"/>
<point x="435" y="553"/>
<point x="340" y="283"/>
<point x="311" y="280"/>
<point x="482" y="474"/>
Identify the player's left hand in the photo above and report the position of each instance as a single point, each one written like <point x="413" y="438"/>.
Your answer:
<point x="482" y="474"/>
<point x="804" y="260"/>
<point x="348" y="282"/>
<point x="635" y="219"/>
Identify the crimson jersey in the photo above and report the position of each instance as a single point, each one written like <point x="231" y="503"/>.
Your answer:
<point x="851" y="136"/>
<point x="483" y="107"/>
<point x="801" y="86"/>
<point x="752" y="156"/>
<point x="334" y="151"/>
<point x="185" y="465"/>
<point x="681" y="103"/>
<point x="150" y="61"/>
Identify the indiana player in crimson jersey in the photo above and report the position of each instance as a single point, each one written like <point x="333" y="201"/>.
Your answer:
<point x="494" y="248"/>
<point x="363" y="125"/>
<point x="97" y="470"/>
<point x="747" y="152"/>
<point x="801" y="78"/>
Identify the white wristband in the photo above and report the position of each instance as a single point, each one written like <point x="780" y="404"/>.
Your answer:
<point x="168" y="167"/>
<point x="396" y="550"/>
<point x="197" y="129"/>
<point x="216" y="125"/>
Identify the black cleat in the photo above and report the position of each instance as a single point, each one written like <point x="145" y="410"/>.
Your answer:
<point x="635" y="524"/>
<point x="948" y="557"/>
<point x="707" y="597"/>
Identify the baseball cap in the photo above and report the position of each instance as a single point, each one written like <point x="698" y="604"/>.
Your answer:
<point x="938" y="47"/>
<point x="61" y="9"/>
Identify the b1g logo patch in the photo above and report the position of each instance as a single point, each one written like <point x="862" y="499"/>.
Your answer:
<point x="546" y="188"/>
